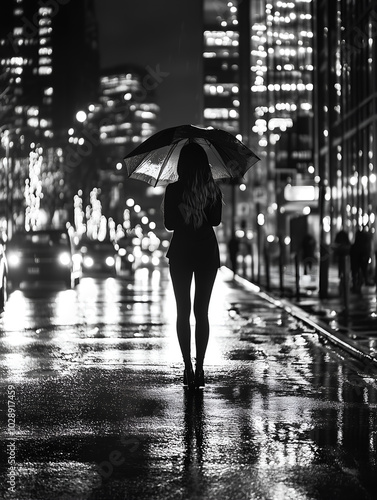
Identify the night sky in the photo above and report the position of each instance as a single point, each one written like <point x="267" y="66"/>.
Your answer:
<point x="165" y="36"/>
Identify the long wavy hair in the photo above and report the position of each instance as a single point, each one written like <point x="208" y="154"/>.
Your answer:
<point x="200" y="189"/>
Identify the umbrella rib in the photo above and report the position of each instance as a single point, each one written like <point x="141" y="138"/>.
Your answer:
<point x="166" y="159"/>
<point x="143" y="161"/>
<point x="217" y="154"/>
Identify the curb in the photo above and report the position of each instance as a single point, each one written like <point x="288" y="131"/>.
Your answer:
<point x="323" y="330"/>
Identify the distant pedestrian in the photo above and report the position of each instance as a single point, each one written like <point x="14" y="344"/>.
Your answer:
<point x="192" y="205"/>
<point x="341" y="248"/>
<point x="233" y="249"/>
<point x="308" y="247"/>
<point x="360" y="252"/>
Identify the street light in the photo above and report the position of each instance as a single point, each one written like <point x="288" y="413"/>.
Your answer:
<point x="81" y="116"/>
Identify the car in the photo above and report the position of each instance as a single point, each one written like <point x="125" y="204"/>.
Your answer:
<point x="98" y="257"/>
<point x="43" y="256"/>
<point x="135" y="252"/>
<point x="3" y="274"/>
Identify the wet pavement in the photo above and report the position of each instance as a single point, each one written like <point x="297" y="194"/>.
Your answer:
<point x="348" y="319"/>
<point x="93" y="407"/>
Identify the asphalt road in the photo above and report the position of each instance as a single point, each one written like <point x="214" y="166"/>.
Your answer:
<point x="92" y="404"/>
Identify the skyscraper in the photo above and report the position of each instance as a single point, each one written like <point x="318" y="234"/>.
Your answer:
<point x="49" y="57"/>
<point x="346" y="114"/>
<point x="49" y="69"/>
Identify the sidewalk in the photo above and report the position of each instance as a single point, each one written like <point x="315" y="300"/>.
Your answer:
<point x="353" y="328"/>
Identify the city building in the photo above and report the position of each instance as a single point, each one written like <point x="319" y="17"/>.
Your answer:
<point x="258" y="66"/>
<point x="222" y="106"/>
<point x="128" y="110"/>
<point x="345" y="123"/>
<point x="126" y="115"/>
<point x="221" y="67"/>
<point x="346" y="115"/>
<point x="49" y="67"/>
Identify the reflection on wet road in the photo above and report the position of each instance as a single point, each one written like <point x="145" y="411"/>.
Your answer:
<point x="100" y="411"/>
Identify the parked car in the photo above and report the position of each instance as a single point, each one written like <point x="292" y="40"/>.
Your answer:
<point x="98" y="257"/>
<point x="43" y="256"/>
<point x="3" y="275"/>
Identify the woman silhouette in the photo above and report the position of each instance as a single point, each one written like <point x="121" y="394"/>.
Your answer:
<point x="192" y="206"/>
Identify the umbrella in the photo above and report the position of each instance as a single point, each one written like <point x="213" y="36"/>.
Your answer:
<point x="155" y="160"/>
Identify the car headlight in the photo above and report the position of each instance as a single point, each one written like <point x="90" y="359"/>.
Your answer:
<point x="110" y="261"/>
<point x="65" y="259"/>
<point x="14" y="259"/>
<point x="155" y="261"/>
<point x="88" y="262"/>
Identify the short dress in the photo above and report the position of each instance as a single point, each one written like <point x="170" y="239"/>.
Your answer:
<point x="192" y="247"/>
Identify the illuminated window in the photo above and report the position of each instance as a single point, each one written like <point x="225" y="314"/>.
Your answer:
<point x="45" y="11"/>
<point x="45" y="70"/>
<point x="45" y="51"/>
<point x="33" y="122"/>
<point x="33" y="111"/>
<point x="43" y="61"/>
<point x="220" y="113"/>
<point x="45" y="123"/>
<point x="45" y="31"/>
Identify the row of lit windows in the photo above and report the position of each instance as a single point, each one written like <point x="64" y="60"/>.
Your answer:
<point x="16" y="61"/>
<point x="220" y="113"/>
<point x="290" y="68"/>
<point x="21" y="41"/>
<point x="36" y="122"/>
<point x="288" y="51"/>
<point x="108" y="129"/>
<point x="45" y="70"/>
<point x="285" y="5"/>
<point x="115" y="80"/>
<point x="126" y="127"/>
<point x="225" y="54"/>
<point x="225" y="89"/>
<point x="45" y="11"/>
<point x="284" y="35"/>
<point x="45" y="22"/>
<point x="45" y="51"/>
<point x="279" y="106"/>
<point x="221" y="38"/>
<point x="286" y="87"/>
<point x="121" y="88"/>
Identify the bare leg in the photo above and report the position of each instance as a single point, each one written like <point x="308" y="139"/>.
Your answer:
<point x="204" y="280"/>
<point x="181" y="279"/>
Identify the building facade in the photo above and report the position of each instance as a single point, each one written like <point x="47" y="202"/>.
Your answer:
<point x="268" y="46"/>
<point x="49" y="67"/>
<point x="127" y="114"/>
<point x="346" y="115"/>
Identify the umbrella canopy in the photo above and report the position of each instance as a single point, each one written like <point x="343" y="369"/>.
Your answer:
<point x="155" y="160"/>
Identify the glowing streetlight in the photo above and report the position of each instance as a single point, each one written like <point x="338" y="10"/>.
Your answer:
<point x="81" y="116"/>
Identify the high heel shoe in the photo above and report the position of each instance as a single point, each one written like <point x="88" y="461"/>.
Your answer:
<point x="189" y="378"/>
<point x="199" y="378"/>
